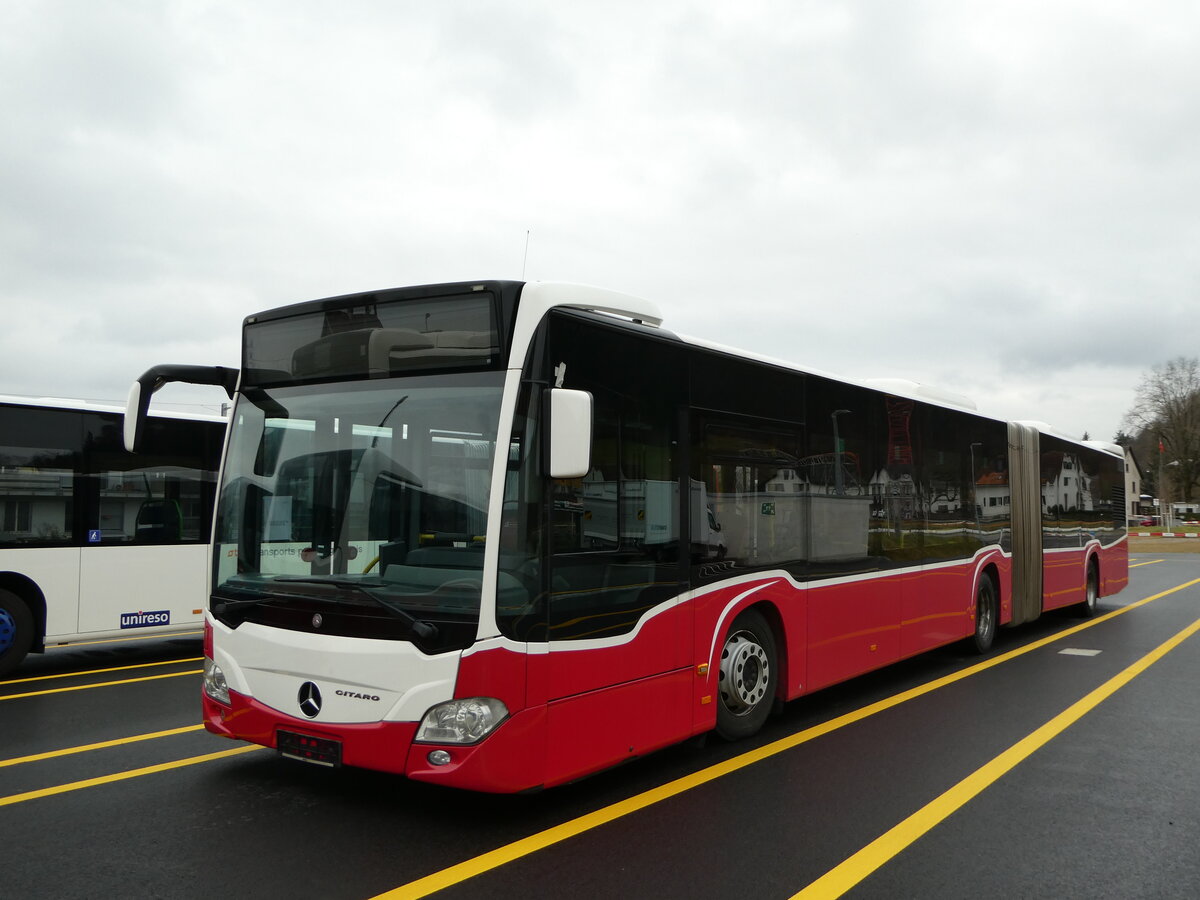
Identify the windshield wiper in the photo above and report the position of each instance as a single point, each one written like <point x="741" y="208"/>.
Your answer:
<point x="424" y="630"/>
<point x="220" y="605"/>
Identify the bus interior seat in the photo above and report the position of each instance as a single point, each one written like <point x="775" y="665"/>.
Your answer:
<point x="158" y="522"/>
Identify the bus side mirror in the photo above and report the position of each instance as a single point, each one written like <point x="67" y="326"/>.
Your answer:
<point x="570" y="433"/>
<point x="154" y="378"/>
<point x="135" y="416"/>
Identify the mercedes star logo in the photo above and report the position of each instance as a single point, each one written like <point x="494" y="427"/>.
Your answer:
<point x="317" y="620"/>
<point x="309" y="699"/>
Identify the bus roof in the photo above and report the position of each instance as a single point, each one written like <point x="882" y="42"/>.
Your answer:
<point x="631" y="309"/>
<point x="105" y="406"/>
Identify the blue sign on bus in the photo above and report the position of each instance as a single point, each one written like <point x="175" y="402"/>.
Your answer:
<point x="145" y="619"/>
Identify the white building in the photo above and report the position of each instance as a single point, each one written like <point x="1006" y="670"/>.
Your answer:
<point x="1133" y="485"/>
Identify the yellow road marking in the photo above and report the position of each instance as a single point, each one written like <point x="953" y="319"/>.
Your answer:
<point x="1148" y="562"/>
<point x="100" y="684"/>
<point x="847" y="874"/>
<point x="486" y="862"/>
<point x="169" y="662"/>
<point x="52" y="754"/>
<point x="122" y="776"/>
<point x="162" y="636"/>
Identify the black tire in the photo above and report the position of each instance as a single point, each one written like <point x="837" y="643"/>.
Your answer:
<point x="987" y="615"/>
<point x="747" y="677"/>
<point x="16" y="631"/>
<point x="1091" y="604"/>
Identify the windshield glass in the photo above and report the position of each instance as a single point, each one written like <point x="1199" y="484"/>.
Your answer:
<point x="366" y="497"/>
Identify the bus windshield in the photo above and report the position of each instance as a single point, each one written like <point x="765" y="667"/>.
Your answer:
<point x="364" y="501"/>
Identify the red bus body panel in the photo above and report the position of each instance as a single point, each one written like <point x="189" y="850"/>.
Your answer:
<point x="567" y="719"/>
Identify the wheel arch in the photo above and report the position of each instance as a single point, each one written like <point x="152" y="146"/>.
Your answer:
<point x="774" y="618"/>
<point x="990" y="569"/>
<point x="741" y="707"/>
<point x="31" y="595"/>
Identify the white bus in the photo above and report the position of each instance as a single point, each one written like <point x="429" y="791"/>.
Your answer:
<point x="96" y="542"/>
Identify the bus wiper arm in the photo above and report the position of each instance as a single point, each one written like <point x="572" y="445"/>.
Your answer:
<point x="424" y="630"/>
<point x="220" y="605"/>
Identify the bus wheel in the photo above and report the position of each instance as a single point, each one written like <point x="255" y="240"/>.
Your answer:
<point x="986" y="615"/>
<point x="16" y="631"/>
<point x="747" y="677"/>
<point x="1091" y="603"/>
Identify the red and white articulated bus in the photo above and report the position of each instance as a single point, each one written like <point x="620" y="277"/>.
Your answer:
<point x="501" y="535"/>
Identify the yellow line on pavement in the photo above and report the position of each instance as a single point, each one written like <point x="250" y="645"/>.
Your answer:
<point x="494" y="859"/>
<point x="101" y="745"/>
<point x="1148" y="562"/>
<point x="168" y="662"/>
<point x="122" y="776"/>
<point x="849" y="873"/>
<point x="161" y="636"/>
<point x="99" y="684"/>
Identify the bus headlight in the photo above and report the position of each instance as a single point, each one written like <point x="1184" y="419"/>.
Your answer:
<point x="214" y="682"/>
<point x="461" y="721"/>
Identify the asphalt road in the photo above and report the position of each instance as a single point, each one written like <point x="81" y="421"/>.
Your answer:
<point x="1064" y="764"/>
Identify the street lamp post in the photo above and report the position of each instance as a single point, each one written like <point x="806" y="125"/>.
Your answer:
<point x="1164" y="500"/>
<point x="975" y="487"/>
<point x="839" y="480"/>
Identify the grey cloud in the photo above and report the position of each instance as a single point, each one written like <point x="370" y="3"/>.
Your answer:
<point x="936" y="190"/>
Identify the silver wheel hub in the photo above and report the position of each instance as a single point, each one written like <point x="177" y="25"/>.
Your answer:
<point x="984" y="615"/>
<point x="745" y="673"/>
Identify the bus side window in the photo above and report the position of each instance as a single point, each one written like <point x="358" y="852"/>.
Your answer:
<point x="38" y="487"/>
<point x="750" y="498"/>
<point x="614" y="534"/>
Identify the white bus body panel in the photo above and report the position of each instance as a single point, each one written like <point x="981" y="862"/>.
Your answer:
<point x="143" y="579"/>
<point x="271" y="664"/>
<point x="55" y="571"/>
<point x="121" y="582"/>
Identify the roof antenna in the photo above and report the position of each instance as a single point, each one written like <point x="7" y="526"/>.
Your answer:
<point x="526" y="257"/>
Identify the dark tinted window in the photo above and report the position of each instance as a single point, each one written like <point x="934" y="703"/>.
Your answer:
<point x="373" y="339"/>
<point x="521" y="614"/>
<point x="39" y="452"/>
<point x="963" y="487"/>
<point x="614" y="534"/>
<point x="65" y="479"/>
<point x="160" y="495"/>
<point x="749" y="501"/>
<point x="1083" y="494"/>
<point x="1066" y="493"/>
<point x="860" y="473"/>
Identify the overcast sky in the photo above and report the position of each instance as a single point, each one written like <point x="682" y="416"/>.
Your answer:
<point x="999" y="199"/>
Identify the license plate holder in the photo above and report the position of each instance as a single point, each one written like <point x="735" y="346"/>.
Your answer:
<point x="307" y="748"/>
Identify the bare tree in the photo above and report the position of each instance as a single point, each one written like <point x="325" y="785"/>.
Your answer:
<point x="1167" y="407"/>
